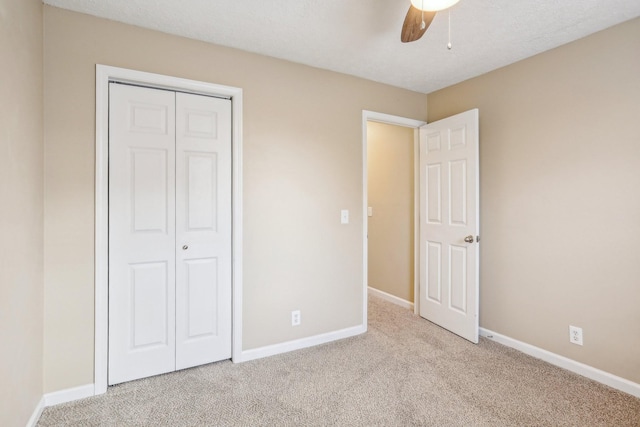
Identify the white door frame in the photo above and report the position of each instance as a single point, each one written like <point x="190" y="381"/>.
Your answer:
<point x="105" y="74"/>
<point x="372" y="116"/>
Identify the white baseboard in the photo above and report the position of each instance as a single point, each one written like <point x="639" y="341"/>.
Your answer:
<point x="565" y="363"/>
<point x="68" y="395"/>
<point x="58" y="397"/>
<point x="391" y="298"/>
<point x="33" y="421"/>
<point x="76" y="393"/>
<point x="272" y="350"/>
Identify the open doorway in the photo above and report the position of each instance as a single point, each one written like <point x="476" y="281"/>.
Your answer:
<point x="390" y="212"/>
<point x="391" y="150"/>
<point x="448" y="253"/>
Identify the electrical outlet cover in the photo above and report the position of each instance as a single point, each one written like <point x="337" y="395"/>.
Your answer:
<point x="295" y="318"/>
<point x="575" y="335"/>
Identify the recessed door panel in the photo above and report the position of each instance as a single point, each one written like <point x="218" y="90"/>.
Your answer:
<point x="202" y="292"/>
<point x="458" y="192"/>
<point x="434" y="272"/>
<point x="149" y="310"/>
<point x="434" y="141"/>
<point x="201" y="123"/>
<point x="150" y="195"/>
<point x="434" y="193"/>
<point x="148" y="118"/>
<point x="202" y="191"/>
<point x="458" y="278"/>
<point x="458" y="138"/>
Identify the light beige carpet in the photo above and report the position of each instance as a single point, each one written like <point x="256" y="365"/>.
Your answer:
<point x="404" y="372"/>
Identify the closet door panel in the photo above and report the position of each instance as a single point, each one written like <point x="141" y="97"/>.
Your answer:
<point x="141" y="232"/>
<point x="203" y="229"/>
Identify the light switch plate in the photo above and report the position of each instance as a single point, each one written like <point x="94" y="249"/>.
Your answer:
<point x="344" y="216"/>
<point x="369" y="211"/>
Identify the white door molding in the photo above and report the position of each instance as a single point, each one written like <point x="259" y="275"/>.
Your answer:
<point x="372" y="116"/>
<point x="105" y="74"/>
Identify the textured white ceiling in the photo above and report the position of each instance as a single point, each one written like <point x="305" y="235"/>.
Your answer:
<point x="362" y="37"/>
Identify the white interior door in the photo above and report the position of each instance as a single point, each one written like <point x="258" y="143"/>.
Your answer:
<point x="203" y="227"/>
<point x="449" y="223"/>
<point x="169" y="189"/>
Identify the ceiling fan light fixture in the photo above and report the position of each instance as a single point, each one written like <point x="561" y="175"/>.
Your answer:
<point x="433" y="5"/>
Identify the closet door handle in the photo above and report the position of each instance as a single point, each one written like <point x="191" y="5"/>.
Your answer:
<point x="185" y="247"/>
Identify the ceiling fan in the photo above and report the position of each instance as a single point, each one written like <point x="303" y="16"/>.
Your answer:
<point x="419" y="17"/>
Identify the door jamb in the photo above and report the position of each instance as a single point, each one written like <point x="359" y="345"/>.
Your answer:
<point x="397" y="121"/>
<point x="105" y="74"/>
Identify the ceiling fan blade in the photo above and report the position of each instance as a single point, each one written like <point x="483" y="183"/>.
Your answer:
<point x="411" y="30"/>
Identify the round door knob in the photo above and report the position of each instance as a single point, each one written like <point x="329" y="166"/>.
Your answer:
<point x="185" y="247"/>
<point x="469" y="239"/>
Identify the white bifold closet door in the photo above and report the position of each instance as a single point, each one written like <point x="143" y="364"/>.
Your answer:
<point x="169" y="231"/>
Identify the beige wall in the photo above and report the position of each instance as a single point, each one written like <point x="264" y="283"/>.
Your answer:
<point x="391" y="193"/>
<point x="21" y="214"/>
<point x="560" y="211"/>
<point x="302" y="165"/>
